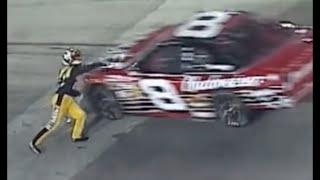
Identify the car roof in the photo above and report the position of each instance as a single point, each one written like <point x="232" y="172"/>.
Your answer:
<point x="208" y="25"/>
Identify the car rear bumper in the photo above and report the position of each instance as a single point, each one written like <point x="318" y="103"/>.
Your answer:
<point x="285" y="101"/>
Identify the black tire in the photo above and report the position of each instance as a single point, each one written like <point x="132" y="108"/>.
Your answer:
<point x="231" y="110"/>
<point x="102" y="101"/>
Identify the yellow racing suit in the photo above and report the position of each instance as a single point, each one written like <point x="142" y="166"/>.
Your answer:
<point x="64" y="104"/>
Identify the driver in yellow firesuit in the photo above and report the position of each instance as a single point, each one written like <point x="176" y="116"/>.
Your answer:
<point x="64" y="104"/>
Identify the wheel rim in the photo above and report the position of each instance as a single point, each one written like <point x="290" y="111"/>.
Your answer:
<point x="232" y="114"/>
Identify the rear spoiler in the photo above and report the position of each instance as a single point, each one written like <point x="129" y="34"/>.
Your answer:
<point x="304" y="30"/>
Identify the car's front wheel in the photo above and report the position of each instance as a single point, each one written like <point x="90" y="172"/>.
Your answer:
<point x="102" y="101"/>
<point x="231" y="110"/>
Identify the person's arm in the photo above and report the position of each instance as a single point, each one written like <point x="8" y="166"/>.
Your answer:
<point x="86" y="68"/>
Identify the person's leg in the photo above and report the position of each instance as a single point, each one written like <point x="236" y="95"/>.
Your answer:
<point x="68" y="119"/>
<point x="77" y="114"/>
<point x="60" y="107"/>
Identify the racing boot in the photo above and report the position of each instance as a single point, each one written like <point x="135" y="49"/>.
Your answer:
<point x="34" y="148"/>
<point x="82" y="139"/>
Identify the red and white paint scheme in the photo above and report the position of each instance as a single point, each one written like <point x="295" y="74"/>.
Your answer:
<point x="177" y="69"/>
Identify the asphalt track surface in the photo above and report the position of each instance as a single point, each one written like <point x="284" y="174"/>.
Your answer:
<point x="278" y="145"/>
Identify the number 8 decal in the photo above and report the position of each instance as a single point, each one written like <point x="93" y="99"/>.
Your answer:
<point x="163" y="94"/>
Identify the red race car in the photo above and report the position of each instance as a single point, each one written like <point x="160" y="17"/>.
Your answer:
<point x="216" y="65"/>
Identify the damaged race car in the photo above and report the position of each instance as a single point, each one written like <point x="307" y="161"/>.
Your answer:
<point x="218" y="65"/>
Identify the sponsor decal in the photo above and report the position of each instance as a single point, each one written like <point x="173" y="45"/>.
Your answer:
<point x="125" y="90"/>
<point x="199" y="100"/>
<point x="191" y="83"/>
<point x="132" y="93"/>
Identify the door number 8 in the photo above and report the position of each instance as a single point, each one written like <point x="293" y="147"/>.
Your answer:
<point x="163" y="94"/>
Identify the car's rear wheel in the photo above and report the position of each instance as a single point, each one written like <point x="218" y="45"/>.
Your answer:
<point x="231" y="110"/>
<point x="102" y="101"/>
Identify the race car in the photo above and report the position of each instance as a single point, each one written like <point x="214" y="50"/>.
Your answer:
<point x="217" y="65"/>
